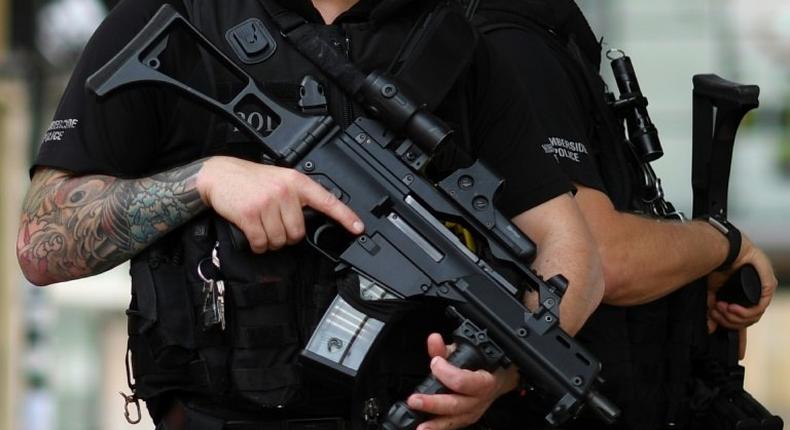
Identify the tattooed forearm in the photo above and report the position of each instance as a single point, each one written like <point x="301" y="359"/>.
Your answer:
<point x="73" y="227"/>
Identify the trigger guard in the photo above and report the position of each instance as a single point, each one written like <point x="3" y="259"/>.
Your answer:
<point x="314" y="236"/>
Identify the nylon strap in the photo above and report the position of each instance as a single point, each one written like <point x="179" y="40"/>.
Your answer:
<point x="265" y="379"/>
<point x="306" y="40"/>
<point x="438" y="49"/>
<point x="270" y="336"/>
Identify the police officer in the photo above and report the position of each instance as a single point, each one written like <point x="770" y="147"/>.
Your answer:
<point x="645" y="259"/>
<point x="149" y="176"/>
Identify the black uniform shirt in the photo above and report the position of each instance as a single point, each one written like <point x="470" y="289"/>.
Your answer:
<point x="134" y="133"/>
<point x="558" y="107"/>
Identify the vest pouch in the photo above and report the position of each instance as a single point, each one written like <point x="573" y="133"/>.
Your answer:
<point x="261" y="314"/>
<point x="167" y="323"/>
<point x="160" y="329"/>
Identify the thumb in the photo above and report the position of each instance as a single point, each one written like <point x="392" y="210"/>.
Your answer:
<point x="436" y="346"/>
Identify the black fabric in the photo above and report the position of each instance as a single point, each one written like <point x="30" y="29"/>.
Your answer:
<point x="561" y="111"/>
<point x="645" y="350"/>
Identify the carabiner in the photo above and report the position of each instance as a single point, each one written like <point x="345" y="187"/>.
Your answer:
<point x="131" y="399"/>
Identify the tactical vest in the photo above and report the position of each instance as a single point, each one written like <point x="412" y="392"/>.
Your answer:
<point x="273" y="301"/>
<point x="645" y="350"/>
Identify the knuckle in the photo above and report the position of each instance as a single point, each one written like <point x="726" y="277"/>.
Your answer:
<point x="277" y="241"/>
<point x="264" y="200"/>
<point x="259" y="243"/>
<point x="275" y="245"/>
<point x="278" y="190"/>
<point x="487" y="378"/>
<point x="455" y="382"/>
<point x="454" y="404"/>
<point x="329" y="201"/>
<point x="294" y="176"/>
<point x="296" y="234"/>
<point x="249" y="213"/>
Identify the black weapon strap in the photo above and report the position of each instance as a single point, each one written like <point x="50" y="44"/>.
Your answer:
<point x="438" y="49"/>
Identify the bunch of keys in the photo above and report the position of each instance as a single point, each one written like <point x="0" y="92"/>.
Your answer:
<point x="213" y="293"/>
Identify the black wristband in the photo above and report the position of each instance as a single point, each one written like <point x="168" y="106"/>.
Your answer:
<point x="733" y="236"/>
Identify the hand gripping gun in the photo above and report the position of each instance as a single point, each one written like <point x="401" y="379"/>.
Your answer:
<point x="719" y="106"/>
<point x="406" y="250"/>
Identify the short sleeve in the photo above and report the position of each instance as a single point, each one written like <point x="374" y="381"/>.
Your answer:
<point x="120" y="133"/>
<point x="510" y="139"/>
<point x="558" y="108"/>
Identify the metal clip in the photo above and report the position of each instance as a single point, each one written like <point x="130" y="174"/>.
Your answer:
<point x="131" y="399"/>
<point x="371" y="412"/>
<point x="213" y="293"/>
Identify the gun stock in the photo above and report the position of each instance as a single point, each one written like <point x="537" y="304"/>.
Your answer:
<point x="719" y="107"/>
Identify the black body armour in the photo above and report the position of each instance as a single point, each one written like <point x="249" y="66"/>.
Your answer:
<point x="646" y="350"/>
<point x="274" y="301"/>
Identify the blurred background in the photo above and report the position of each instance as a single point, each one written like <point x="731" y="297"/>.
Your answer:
<point x="62" y="348"/>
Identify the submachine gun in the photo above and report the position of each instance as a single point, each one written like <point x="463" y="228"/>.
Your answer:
<point x="719" y="106"/>
<point x="407" y="251"/>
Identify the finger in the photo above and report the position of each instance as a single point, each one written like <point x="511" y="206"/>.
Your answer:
<point x="448" y="423"/>
<point x="460" y="380"/>
<point x="751" y="317"/>
<point x="742" y="344"/>
<point x="275" y="230"/>
<point x="766" y="273"/>
<point x="436" y="346"/>
<point x="442" y="404"/>
<point x="722" y="320"/>
<point x="739" y="311"/>
<point x="293" y="219"/>
<point x="256" y="236"/>
<point x="318" y="198"/>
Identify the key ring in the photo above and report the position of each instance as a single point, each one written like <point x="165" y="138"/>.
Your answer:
<point x="200" y="271"/>
<point x="214" y="259"/>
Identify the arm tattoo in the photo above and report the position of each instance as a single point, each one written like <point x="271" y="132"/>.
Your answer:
<point x="80" y="226"/>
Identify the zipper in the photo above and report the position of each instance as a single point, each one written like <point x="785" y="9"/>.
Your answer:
<point x="348" y="104"/>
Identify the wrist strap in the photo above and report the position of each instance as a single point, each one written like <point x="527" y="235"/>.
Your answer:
<point x="733" y="236"/>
